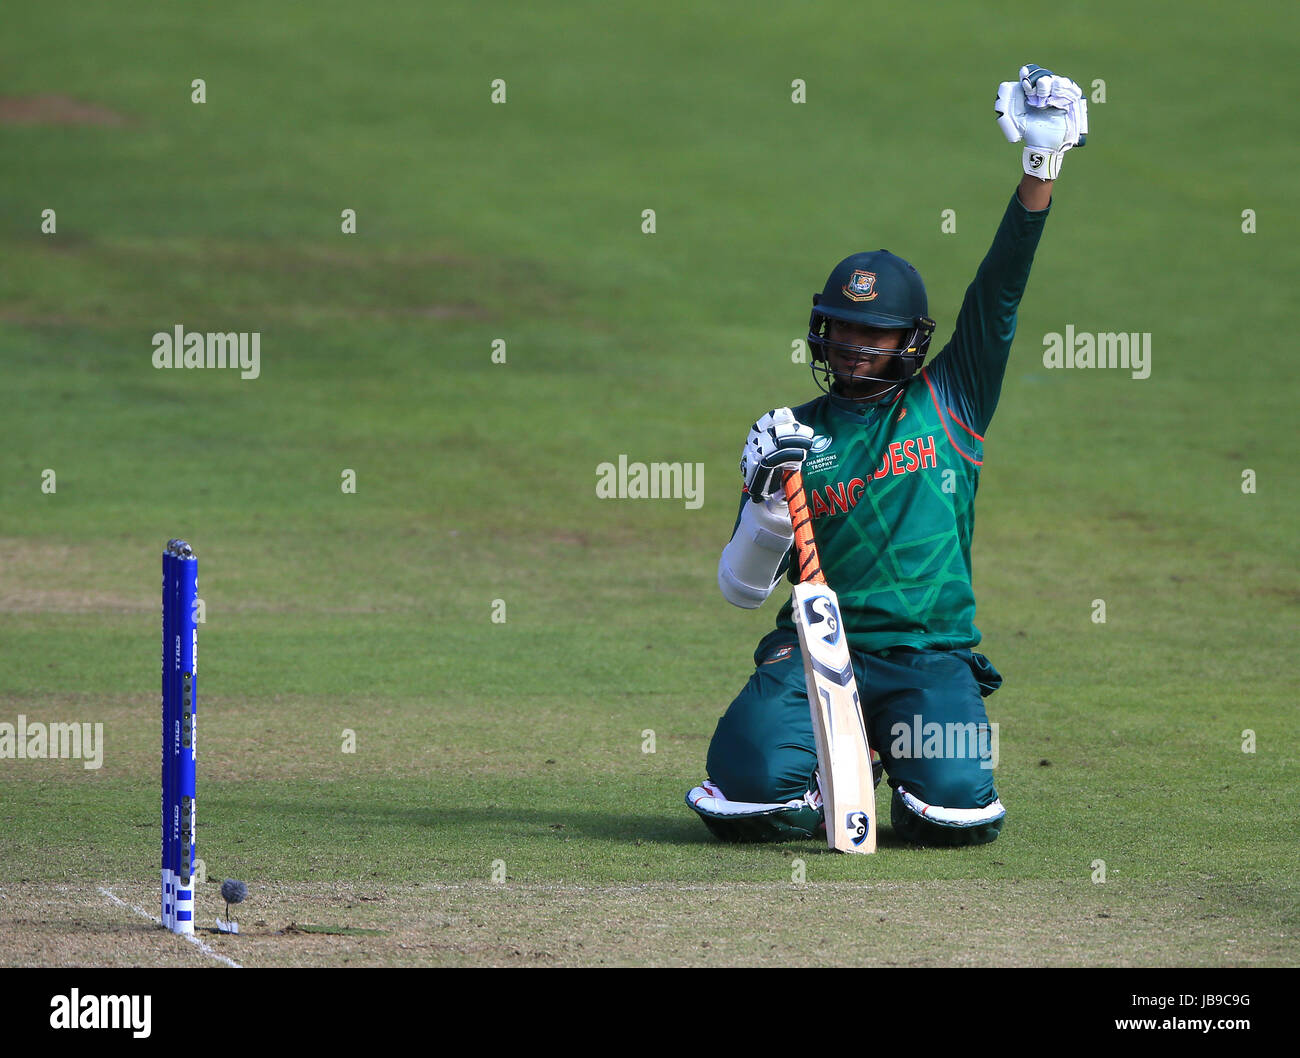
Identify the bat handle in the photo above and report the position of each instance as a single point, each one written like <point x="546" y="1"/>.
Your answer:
<point x="809" y="564"/>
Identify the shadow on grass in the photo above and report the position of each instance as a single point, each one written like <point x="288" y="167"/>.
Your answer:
<point x="350" y="821"/>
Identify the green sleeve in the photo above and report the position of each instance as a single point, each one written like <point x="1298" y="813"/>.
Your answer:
<point x="968" y="372"/>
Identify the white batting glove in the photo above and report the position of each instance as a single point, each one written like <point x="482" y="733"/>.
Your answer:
<point x="1048" y="112"/>
<point x="777" y="444"/>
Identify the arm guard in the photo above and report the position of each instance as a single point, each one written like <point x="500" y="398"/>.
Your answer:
<point x="750" y="563"/>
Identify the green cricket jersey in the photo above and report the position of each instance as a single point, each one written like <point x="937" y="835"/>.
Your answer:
<point x="891" y="487"/>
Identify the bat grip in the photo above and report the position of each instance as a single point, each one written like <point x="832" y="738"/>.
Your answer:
<point x="808" y="563"/>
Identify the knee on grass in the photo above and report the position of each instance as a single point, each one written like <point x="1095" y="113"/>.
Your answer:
<point x="742" y="821"/>
<point x="923" y="824"/>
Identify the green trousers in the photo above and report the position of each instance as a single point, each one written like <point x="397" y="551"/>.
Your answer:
<point x="925" y="717"/>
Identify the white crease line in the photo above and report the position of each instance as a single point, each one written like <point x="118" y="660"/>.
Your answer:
<point x="187" y="936"/>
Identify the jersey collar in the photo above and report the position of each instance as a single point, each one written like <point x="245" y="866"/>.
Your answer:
<point x="865" y="409"/>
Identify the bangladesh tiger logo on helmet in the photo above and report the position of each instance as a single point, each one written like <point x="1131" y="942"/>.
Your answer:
<point x="861" y="286"/>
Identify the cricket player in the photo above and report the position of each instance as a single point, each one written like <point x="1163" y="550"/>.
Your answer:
<point x="891" y="456"/>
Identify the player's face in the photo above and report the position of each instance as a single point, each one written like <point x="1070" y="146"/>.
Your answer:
<point x="857" y="375"/>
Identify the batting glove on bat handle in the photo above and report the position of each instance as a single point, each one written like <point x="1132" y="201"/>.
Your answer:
<point x="777" y="444"/>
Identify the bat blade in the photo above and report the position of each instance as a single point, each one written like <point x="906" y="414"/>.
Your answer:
<point x="843" y="752"/>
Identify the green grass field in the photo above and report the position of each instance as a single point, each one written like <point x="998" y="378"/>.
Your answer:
<point x="521" y="742"/>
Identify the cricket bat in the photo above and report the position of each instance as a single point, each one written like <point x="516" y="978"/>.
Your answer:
<point x="843" y="752"/>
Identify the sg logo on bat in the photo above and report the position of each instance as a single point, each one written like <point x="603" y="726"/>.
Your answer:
<point x="859" y="824"/>
<point x="822" y="617"/>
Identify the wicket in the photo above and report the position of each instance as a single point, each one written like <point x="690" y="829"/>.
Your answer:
<point x="180" y="649"/>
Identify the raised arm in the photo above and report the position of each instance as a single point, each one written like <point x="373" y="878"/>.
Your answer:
<point x="1049" y="114"/>
<point x="1035" y="194"/>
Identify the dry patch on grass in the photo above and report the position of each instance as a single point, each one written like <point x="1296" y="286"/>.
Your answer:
<point x="40" y="576"/>
<point x="55" y="110"/>
<point x="54" y="600"/>
<point x="837" y="924"/>
<point x="301" y="284"/>
<point x="46" y="577"/>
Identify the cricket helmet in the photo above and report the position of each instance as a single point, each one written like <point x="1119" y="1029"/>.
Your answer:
<point x="874" y="289"/>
